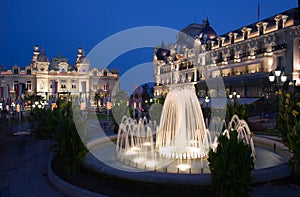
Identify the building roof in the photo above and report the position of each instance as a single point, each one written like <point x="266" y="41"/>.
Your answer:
<point x="42" y="57"/>
<point x="207" y="32"/>
<point x="291" y="13"/>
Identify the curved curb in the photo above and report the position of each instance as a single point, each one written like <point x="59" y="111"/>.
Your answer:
<point x="259" y="176"/>
<point x="67" y="188"/>
<point x="148" y="176"/>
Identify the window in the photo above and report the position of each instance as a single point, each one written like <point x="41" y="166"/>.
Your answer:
<point x="220" y="57"/>
<point x="232" y="39"/>
<point x="105" y="73"/>
<point x="105" y="87"/>
<point x="73" y="84"/>
<point x="28" y="85"/>
<point x="279" y="61"/>
<point x="245" y="35"/>
<point x="261" y="30"/>
<point x="63" y="84"/>
<point x="280" y="24"/>
<point x="246" y="51"/>
<point x="15" y="85"/>
<point x="16" y="71"/>
<point x="95" y="87"/>
<point x="28" y="71"/>
<point x="231" y="54"/>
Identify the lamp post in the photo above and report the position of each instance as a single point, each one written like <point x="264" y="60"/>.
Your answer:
<point x="206" y="100"/>
<point x="234" y="96"/>
<point x="278" y="78"/>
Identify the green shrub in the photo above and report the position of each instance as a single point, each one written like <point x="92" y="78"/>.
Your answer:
<point x="38" y="118"/>
<point x="231" y="166"/>
<point x="235" y="108"/>
<point x="288" y="124"/>
<point x="69" y="146"/>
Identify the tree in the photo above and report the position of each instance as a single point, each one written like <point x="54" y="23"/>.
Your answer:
<point x="121" y="106"/>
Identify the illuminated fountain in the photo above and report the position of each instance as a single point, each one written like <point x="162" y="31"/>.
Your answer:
<point x="181" y="136"/>
<point x="178" y="146"/>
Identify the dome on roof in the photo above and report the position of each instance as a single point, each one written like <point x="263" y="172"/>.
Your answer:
<point x="207" y="33"/>
<point x="42" y="56"/>
<point x="185" y="38"/>
<point x="191" y="30"/>
<point x="162" y="53"/>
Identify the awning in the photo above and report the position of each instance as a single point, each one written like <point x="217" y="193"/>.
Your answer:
<point x="246" y="100"/>
<point x="221" y="102"/>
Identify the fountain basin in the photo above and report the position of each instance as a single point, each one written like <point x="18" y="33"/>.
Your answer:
<point x="270" y="165"/>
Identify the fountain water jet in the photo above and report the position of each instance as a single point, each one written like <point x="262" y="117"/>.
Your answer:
<point x="244" y="133"/>
<point x="181" y="135"/>
<point x="182" y="132"/>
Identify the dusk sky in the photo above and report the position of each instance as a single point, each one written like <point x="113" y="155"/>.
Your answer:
<point x="62" y="26"/>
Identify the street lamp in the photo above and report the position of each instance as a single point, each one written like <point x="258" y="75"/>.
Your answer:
<point x="206" y="100"/>
<point x="234" y="95"/>
<point x="279" y="76"/>
<point x="277" y="79"/>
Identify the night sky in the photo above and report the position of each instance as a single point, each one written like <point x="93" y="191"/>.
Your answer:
<point x="62" y="26"/>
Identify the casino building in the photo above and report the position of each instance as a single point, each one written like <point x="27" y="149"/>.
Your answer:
<point x="243" y="58"/>
<point x="58" y="79"/>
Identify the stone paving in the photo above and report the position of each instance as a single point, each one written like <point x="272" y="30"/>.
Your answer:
<point x="23" y="167"/>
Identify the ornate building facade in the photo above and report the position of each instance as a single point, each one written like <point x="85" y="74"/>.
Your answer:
<point x="58" y="79"/>
<point x="243" y="58"/>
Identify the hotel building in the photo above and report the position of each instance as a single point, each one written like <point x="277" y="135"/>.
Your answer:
<point x="244" y="58"/>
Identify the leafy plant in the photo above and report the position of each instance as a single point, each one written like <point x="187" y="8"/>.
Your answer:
<point x="69" y="146"/>
<point x="288" y="124"/>
<point x="38" y="118"/>
<point x="231" y="166"/>
<point x="235" y="108"/>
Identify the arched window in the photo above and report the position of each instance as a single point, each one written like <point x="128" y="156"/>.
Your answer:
<point x="280" y="24"/>
<point x="245" y="35"/>
<point x="105" y="73"/>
